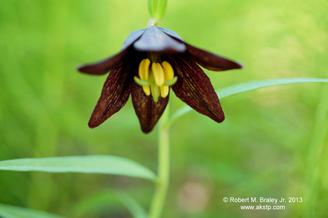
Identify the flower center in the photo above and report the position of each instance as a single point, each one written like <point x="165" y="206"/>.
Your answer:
<point x="155" y="78"/>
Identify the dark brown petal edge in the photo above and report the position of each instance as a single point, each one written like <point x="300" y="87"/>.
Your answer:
<point x="148" y="112"/>
<point x="114" y="95"/>
<point x="211" y="61"/>
<point x="194" y="88"/>
<point x="103" y="66"/>
<point x="106" y="65"/>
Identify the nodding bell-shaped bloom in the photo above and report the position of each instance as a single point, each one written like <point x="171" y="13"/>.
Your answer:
<point x="152" y="62"/>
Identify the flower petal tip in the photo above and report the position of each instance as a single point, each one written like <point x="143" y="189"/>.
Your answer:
<point x="228" y="65"/>
<point x="219" y="118"/>
<point x="87" y="69"/>
<point x="93" y="124"/>
<point x="146" y="130"/>
<point x="238" y="65"/>
<point x="82" y="69"/>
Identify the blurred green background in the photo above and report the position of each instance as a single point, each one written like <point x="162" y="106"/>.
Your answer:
<point x="264" y="148"/>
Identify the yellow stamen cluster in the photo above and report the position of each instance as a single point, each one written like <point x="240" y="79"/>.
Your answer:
<point x="155" y="78"/>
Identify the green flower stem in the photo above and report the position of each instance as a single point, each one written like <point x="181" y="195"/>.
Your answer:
<point x="162" y="182"/>
<point x="316" y="150"/>
<point x="157" y="8"/>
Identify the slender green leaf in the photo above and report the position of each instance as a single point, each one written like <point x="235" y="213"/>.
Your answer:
<point x="107" y="199"/>
<point x="151" y="7"/>
<point x="7" y="211"/>
<point x="80" y="164"/>
<point x="157" y="8"/>
<point x="251" y="86"/>
<point x="316" y="154"/>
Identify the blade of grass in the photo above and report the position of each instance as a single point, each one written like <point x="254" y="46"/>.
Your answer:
<point x="105" y="200"/>
<point x="250" y="86"/>
<point x="157" y="8"/>
<point x="315" y="155"/>
<point x="8" y="211"/>
<point x="80" y="164"/>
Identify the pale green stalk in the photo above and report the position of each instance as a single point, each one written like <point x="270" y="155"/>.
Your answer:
<point x="316" y="149"/>
<point x="162" y="181"/>
<point x="157" y="8"/>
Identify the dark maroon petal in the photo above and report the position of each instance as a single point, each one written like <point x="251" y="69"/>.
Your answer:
<point x="212" y="61"/>
<point x="147" y="110"/>
<point x="194" y="88"/>
<point x="114" y="95"/>
<point x="154" y="40"/>
<point x="106" y="65"/>
<point x="204" y="58"/>
<point x="103" y="66"/>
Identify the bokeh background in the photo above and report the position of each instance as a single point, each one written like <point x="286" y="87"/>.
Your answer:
<point x="268" y="145"/>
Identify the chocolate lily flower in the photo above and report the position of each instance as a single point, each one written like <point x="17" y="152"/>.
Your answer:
<point x="151" y="62"/>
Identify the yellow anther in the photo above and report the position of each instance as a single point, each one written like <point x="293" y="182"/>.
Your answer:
<point x="168" y="70"/>
<point x="144" y="74"/>
<point x="155" y="78"/>
<point x="146" y="90"/>
<point x="144" y="69"/>
<point x="164" y="91"/>
<point x="158" y="73"/>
